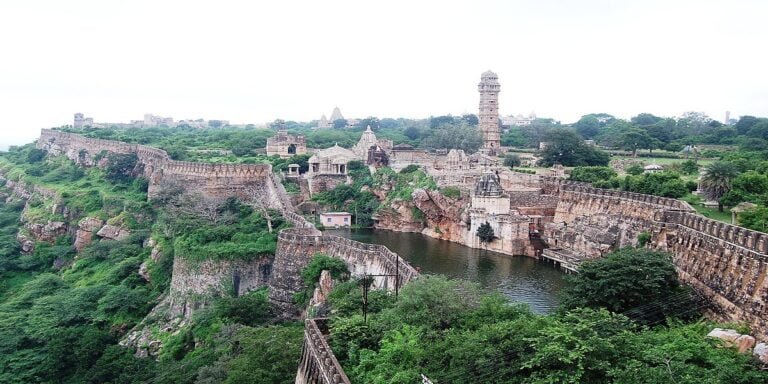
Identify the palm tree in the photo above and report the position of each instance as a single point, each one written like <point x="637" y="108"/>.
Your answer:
<point x="716" y="180"/>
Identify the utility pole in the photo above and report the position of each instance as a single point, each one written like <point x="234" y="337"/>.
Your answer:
<point x="366" y="288"/>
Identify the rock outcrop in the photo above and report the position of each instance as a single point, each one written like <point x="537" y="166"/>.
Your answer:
<point x="732" y="338"/>
<point x="113" y="232"/>
<point x="85" y="231"/>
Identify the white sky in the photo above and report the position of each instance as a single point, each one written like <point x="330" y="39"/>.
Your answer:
<point x="252" y="62"/>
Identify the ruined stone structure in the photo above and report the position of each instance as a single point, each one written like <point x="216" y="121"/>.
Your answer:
<point x="285" y="145"/>
<point x="82" y="121"/>
<point x="328" y="168"/>
<point x="195" y="283"/>
<point x="488" y="113"/>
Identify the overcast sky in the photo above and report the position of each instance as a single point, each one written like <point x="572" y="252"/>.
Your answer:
<point x="251" y="62"/>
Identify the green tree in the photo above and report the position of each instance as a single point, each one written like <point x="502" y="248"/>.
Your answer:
<point x="716" y="180"/>
<point x="592" y="174"/>
<point x="638" y="283"/>
<point x="588" y="126"/>
<point x="635" y="139"/>
<point x="512" y="160"/>
<point x="689" y="167"/>
<point x="457" y="136"/>
<point x="755" y="219"/>
<point x="121" y="167"/>
<point x="485" y="233"/>
<point x="566" y="147"/>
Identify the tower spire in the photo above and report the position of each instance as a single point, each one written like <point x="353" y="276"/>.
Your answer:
<point x="488" y="113"/>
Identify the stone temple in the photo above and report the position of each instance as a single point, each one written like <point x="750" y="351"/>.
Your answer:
<point x="488" y="113"/>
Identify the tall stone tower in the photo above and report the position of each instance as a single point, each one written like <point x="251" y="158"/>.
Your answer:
<point x="488" y="115"/>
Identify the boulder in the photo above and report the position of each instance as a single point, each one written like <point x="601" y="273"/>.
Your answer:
<point x="113" y="232"/>
<point x="47" y="232"/>
<point x="27" y="245"/>
<point x="84" y="235"/>
<point x="144" y="271"/>
<point x="761" y="352"/>
<point x="744" y="343"/>
<point x="728" y="336"/>
<point x="156" y="253"/>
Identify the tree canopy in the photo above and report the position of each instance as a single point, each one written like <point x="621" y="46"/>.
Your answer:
<point x="638" y="283"/>
<point x="565" y="146"/>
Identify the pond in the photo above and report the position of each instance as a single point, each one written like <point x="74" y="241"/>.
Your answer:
<point x="520" y="278"/>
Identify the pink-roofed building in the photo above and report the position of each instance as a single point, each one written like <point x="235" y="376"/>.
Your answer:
<point x="336" y="219"/>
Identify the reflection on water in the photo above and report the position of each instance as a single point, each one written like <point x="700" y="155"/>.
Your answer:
<point x="520" y="278"/>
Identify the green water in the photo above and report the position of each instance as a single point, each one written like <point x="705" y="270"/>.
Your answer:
<point x="520" y="278"/>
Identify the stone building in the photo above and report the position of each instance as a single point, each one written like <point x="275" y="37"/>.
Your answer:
<point x="367" y="142"/>
<point x="336" y="115"/>
<point x="488" y="195"/>
<point x="336" y="219"/>
<point x="488" y="115"/>
<point x="331" y="161"/>
<point x="456" y="160"/>
<point x="323" y="122"/>
<point x="82" y="121"/>
<point x="285" y="145"/>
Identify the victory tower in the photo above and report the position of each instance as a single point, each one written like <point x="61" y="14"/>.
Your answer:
<point x="488" y="115"/>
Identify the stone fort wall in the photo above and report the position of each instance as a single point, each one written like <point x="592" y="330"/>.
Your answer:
<point x="213" y="180"/>
<point x="725" y="263"/>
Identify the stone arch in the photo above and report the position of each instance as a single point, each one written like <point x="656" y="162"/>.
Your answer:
<point x="292" y="149"/>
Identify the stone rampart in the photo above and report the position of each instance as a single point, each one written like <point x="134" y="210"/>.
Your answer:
<point x="213" y="180"/>
<point x="297" y="246"/>
<point x="725" y="263"/>
<point x="317" y="363"/>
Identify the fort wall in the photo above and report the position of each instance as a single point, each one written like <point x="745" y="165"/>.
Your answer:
<point x="212" y="180"/>
<point x="727" y="264"/>
<point x="317" y="363"/>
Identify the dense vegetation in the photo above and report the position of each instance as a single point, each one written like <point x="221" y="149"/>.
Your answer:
<point x="451" y="332"/>
<point x="62" y="314"/>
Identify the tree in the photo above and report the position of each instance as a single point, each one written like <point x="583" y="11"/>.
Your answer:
<point x="456" y="136"/>
<point x="635" y="139"/>
<point x="588" y="126"/>
<point x="512" y="160"/>
<point x="566" y="147"/>
<point x="340" y="123"/>
<point x="716" y="180"/>
<point x="592" y="174"/>
<point x="745" y="123"/>
<point x="485" y="233"/>
<point x="120" y="167"/>
<point x="470" y="119"/>
<point x="639" y="283"/>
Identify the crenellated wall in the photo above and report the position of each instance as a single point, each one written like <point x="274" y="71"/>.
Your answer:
<point x="725" y="263"/>
<point x="297" y="246"/>
<point x="213" y="180"/>
<point x="317" y="363"/>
